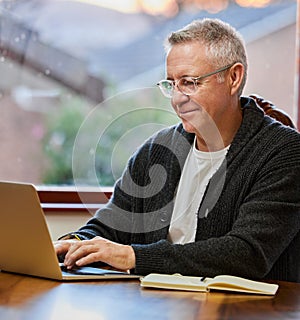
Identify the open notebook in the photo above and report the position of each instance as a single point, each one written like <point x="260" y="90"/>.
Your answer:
<point x="204" y="284"/>
<point x="25" y="243"/>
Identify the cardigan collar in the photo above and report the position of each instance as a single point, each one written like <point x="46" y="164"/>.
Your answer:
<point x="253" y="117"/>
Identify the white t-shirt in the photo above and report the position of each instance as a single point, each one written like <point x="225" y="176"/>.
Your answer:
<point x="198" y="168"/>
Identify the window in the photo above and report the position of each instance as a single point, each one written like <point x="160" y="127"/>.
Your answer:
<point x="78" y="79"/>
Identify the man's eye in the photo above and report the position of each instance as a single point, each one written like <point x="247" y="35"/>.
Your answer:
<point x="199" y="82"/>
<point x="186" y="82"/>
<point x="167" y="85"/>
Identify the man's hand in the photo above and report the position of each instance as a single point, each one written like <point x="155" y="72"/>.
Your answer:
<point x="80" y="253"/>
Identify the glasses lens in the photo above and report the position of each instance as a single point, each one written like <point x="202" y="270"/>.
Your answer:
<point x="187" y="86"/>
<point x="166" y="88"/>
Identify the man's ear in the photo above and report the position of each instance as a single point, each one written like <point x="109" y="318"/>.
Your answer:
<point x="236" y="75"/>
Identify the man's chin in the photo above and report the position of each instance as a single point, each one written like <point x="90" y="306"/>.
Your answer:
<point x="188" y="127"/>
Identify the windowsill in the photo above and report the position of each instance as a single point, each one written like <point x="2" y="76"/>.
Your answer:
<point x="73" y="199"/>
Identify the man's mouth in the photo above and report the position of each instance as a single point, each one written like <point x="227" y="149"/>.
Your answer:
<point x="186" y="112"/>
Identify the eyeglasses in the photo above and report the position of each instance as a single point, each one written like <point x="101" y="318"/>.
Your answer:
<point x="186" y="85"/>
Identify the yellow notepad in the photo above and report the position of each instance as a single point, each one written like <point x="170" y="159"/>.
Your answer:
<point x="222" y="282"/>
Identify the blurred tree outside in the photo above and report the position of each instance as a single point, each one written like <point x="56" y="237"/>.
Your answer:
<point x="61" y="129"/>
<point x="110" y="133"/>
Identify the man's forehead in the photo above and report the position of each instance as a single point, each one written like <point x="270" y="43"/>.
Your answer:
<point x="186" y="58"/>
<point x="190" y="53"/>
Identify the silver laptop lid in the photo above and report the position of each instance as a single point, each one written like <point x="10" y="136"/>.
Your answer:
<point x="25" y="243"/>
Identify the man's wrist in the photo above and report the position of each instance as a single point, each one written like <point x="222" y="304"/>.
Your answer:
<point x="131" y="258"/>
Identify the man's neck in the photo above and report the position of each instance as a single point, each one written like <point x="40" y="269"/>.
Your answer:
<point x="221" y="135"/>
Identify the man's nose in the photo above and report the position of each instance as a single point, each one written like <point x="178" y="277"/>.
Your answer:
<point x="178" y="97"/>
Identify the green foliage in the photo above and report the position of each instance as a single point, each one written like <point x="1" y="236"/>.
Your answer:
<point x="62" y="128"/>
<point x="104" y="136"/>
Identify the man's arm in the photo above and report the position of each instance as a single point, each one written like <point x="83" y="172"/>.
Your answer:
<point x="265" y="231"/>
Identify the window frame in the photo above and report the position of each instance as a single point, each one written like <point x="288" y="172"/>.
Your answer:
<point x="67" y="199"/>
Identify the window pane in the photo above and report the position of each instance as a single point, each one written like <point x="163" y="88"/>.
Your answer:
<point x="78" y="78"/>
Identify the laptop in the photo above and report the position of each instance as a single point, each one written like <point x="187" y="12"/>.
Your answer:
<point x="25" y="243"/>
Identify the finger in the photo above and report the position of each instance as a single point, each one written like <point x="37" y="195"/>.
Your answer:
<point x="78" y="251"/>
<point x="61" y="247"/>
<point x="88" y="259"/>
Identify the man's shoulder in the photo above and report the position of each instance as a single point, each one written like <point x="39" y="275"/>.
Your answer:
<point x="278" y="131"/>
<point x="265" y="127"/>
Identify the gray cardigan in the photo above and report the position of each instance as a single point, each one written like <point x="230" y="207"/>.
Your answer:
<point x="248" y="220"/>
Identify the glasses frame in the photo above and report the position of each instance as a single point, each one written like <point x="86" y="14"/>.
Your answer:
<point x="174" y="83"/>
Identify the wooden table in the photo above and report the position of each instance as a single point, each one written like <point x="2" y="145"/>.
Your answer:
<point x="28" y="298"/>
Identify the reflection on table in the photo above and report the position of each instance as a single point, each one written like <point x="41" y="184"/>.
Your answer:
<point x="24" y="297"/>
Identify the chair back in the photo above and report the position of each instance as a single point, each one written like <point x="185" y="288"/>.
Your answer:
<point x="273" y="111"/>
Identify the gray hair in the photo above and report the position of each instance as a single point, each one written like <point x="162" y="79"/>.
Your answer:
<point x="224" y="45"/>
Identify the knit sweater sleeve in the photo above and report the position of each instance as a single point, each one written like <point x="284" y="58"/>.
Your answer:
<point x="262" y="232"/>
<point x="141" y="204"/>
<point x="252" y="231"/>
<point x="263" y="238"/>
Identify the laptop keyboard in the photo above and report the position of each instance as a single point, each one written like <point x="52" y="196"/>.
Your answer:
<point x="89" y="271"/>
